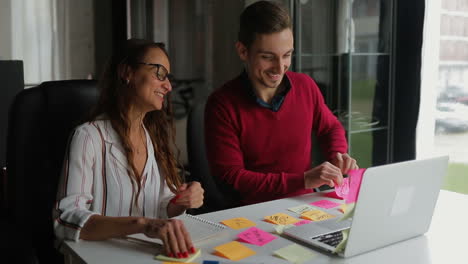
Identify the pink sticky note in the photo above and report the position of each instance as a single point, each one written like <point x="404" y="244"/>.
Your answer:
<point x="256" y="236"/>
<point x="325" y="204"/>
<point x="303" y="222"/>
<point x="343" y="189"/>
<point x="355" y="179"/>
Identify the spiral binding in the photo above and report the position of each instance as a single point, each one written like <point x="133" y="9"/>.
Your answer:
<point x="219" y="226"/>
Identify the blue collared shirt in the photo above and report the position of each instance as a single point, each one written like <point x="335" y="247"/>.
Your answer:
<point x="277" y="100"/>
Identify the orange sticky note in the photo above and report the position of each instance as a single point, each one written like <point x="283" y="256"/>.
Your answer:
<point x="234" y="251"/>
<point x="343" y="208"/>
<point x="316" y="215"/>
<point x="238" y="223"/>
<point x="281" y="219"/>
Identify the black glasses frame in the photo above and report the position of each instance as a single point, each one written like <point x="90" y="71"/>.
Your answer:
<point x="161" y="72"/>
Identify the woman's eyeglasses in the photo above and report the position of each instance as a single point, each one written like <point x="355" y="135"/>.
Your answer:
<point x="161" y="72"/>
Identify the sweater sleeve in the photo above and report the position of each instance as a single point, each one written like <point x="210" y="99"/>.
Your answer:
<point x="224" y="153"/>
<point x="75" y="189"/>
<point x="330" y="133"/>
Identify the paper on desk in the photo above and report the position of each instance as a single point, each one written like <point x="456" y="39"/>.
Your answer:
<point x="140" y="237"/>
<point x="294" y="253"/>
<point x="256" y="236"/>
<point x="238" y="223"/>
<point x="325" y="204"/>
<point x="301" y="208"/>
<point x="184" y="260"/>
<point x="355" y="179"/>
<point x="234" y="251"/>
<point x="316" y="215"/>
<point x="281" y="219"/>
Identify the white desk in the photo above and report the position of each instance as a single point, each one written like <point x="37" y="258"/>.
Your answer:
<point x="444" y="243"/>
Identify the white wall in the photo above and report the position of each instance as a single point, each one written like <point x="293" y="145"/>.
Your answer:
<point x="429" y="80"/>
<point x="5" y="30"/>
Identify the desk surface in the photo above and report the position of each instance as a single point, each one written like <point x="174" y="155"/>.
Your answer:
<point x="444" y="242"/>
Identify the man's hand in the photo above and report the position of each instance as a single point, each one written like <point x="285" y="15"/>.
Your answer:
<point x="325" y="173"/>
<point x="344" y="162"/>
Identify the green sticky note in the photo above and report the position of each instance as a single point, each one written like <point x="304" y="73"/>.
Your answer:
<point x="294" y="253"/>
<point x="342" y="245"/>
<point x="189" y="259"/>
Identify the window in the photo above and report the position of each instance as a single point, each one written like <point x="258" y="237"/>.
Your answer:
<point x="443" y="126"/>
<point x="54" y="39"/>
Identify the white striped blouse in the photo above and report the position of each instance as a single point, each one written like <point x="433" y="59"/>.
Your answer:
<point x="95" y="180"/>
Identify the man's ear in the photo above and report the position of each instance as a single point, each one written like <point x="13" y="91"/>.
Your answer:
<point x="242" y="50"/>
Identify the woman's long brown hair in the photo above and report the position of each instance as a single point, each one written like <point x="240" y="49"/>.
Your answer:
<point x="114" y="102"/>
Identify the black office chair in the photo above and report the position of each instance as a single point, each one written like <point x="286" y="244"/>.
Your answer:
<point x="40" y="122"/>
<point x="218" y="195"/>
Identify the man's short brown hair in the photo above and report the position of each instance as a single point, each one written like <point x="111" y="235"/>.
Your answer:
<point x="262" y="17"/>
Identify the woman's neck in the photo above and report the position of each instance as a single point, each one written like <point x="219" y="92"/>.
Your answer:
<point x="135" y="118"/>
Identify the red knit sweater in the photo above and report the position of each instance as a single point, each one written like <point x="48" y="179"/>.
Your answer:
<point x="263" y="154"/>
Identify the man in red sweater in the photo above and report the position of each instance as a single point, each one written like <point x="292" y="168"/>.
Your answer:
<point x="258" y="126"/>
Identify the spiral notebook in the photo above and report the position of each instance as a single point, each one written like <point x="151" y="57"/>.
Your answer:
<point x="199" y="229"/>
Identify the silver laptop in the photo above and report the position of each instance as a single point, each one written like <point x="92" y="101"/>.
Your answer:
<point x="395" y="203"/>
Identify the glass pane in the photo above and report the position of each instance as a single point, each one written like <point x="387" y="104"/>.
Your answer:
<point x="369" y="92"/>
<point x="367" y="148"/>
<point x="318" y="20"/>
<point x="372" y="26"/>
<point x="326" y="28"/>
<point x="323" y="69"/>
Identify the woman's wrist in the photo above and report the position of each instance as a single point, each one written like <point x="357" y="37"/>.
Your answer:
<point x="175" y="209"/>
<point x="141" y="224"/>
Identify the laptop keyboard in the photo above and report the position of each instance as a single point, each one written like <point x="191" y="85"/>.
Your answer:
<point x="331" y="239"/>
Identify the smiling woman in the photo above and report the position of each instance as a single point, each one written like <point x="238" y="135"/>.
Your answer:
<point x="120" y="175"/>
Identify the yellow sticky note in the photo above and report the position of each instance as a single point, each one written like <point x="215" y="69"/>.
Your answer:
<point x="316" y="215"/>
<point x="294" y="253"/>
<point x="238" y="223"/>
<point x="178" y="260"/>
<point x="281" y="219"/>
<point x="343" y="208"/>
<point x="234" y="251"/>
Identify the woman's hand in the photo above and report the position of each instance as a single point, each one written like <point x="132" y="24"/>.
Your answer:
<point x="189" y="195"/>
<point x="172" y="232"/>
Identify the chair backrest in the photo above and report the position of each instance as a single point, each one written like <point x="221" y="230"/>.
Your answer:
<point x="40" y="122"/>
<point x="218" y="195"/>
<point x="11" y="83"/>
